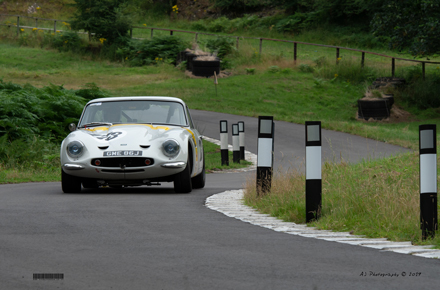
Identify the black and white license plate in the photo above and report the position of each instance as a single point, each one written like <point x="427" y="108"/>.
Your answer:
<point x="123" y="153"/>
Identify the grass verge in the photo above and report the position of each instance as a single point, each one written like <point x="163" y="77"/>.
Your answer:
<point x="213" y="159"/>
<point x="378" y="199"/>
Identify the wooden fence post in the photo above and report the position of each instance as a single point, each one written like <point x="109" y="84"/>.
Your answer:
<point x="393" y="67"/>
<point x="131" y="32"/>
<point x="295" y="51"/>
<point x="54" y="26"/>
<point x="337" y="55"/>
<point x="36" y="22"/>
<point x="171" y="32"/>
<point x="18" y="25"/>
<point x="261" y="45"/>
<point x="363" y="59"/>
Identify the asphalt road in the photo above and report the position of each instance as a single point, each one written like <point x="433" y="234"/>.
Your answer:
<point x="289" y="147"/>
<point x="152" y="238"/>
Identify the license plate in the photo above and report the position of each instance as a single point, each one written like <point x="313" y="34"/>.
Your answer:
<point x="123" y="153"/>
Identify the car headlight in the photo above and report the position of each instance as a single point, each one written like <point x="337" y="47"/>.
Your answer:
<point x="75" y="149"/>
<point x="170" y="148"/>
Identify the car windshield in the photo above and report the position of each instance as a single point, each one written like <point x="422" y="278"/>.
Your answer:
<point x="134" y="111"/>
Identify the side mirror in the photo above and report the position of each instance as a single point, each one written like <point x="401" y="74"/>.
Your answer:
<point x="72" y="127"/>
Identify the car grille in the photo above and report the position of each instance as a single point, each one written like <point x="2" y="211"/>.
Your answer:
<point x="123" y="162"/>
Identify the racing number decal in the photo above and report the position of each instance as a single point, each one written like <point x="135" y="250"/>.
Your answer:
<point x="110" y="136"/>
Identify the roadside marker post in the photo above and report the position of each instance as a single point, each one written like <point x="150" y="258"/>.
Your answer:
<point x="266" y="133"/>
<point x="224" y="142"/>
<point x="313" y="171"/>
<point x="235" y="144"/>
<point x="241" y="137"/>
<point x="428" y="180"/>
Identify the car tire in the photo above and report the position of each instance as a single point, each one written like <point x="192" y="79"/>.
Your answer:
<point x="199" y="180"/>
<point x="182" y="180"/>
<point x="70" y="183"/>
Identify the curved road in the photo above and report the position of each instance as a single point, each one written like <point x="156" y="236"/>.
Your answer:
<point x="151" y="238"/>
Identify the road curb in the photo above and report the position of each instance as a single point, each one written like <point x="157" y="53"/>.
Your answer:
<point x="230" y="203"/>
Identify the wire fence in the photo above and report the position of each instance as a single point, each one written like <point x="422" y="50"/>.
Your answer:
<point x="238" y="40"/>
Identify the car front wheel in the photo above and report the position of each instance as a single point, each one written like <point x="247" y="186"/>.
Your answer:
<point x="199" y="180"/>
<point x="182" y="180"/>
<point x="69" y="183"/>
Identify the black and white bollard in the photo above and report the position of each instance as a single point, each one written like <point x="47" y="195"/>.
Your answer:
<point x="266" y="128"/>
<point x="235" y="144"/>
<point x="241" y="137"/>
<point x="428" y="180"/>
<point x="224" y="142"/>
<point x="313" y="170"/>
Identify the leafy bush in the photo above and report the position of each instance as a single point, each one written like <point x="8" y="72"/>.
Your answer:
<point x="250" y="71"/>
<point x="306" y="68"/>
<point x="422" y="93"/>
<point x="245" y="22"/>
<point x="67" y="41"/>
<point x="221" y="24"/>
<point x="225" y="64"/>
<point x="321" y="61"/>
<point x="199" y="26"/>
<point x="274" y="69"/>
<point x="221" y="45"/>
<point x="28" y="111"/>
<point x="293" y="23"/>
<point x="34" y="121"/>
<point x="240" y="6"/>
<point x="103" y="19"/>
<point x="409" y="24"/>
<point x="149" y="51"/>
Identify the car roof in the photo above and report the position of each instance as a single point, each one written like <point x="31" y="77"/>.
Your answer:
<point x="138" y="98"/>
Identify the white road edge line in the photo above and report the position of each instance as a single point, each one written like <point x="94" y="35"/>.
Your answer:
<point x="231" y="204"/>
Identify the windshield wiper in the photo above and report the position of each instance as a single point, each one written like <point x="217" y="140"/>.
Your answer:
<point x="94" y="124"/>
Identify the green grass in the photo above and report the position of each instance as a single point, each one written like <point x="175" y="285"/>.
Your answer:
<point x="378" y="199"/>
<point x="20" y="175"/>
<point x="213" y="159"/>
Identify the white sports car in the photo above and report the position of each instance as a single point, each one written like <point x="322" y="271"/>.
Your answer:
<point x="132" y="141"/>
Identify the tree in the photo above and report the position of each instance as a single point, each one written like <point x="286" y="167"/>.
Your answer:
<point x="409" y="24"/>
<point x="102" y="19"/>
